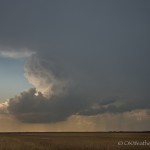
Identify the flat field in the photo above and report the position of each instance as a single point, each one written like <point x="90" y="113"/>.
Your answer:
<point x="75" y="141"/>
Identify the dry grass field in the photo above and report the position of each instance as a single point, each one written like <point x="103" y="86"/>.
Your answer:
<point x="75" y="141"/>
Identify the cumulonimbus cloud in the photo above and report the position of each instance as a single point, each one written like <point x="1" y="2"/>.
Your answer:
<point x="56" y="97"/>
<point x="86" y="63"/>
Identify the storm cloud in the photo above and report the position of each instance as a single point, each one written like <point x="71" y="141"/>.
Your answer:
<point x="84" y="58"/>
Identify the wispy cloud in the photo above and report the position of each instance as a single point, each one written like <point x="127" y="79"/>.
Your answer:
<point x="22" y="53"/>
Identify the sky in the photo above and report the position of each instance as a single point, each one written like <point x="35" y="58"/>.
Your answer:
<point x="12" y="79"/>
<point x="74" y="65"/>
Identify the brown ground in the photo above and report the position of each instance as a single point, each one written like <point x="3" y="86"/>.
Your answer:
<point x="74" y="141"/>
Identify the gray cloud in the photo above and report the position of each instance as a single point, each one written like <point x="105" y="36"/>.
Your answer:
<point x="55" y="99"/>
<point x="29" y="107"/>
<point x="91" y="57"/>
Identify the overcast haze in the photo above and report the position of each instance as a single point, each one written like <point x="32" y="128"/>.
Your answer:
<point x="74" y="65"/>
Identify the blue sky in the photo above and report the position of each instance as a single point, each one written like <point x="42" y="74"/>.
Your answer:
<point x="12" y="80"/>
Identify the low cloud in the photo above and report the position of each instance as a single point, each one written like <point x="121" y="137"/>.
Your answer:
<point x="32" y="106"/>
